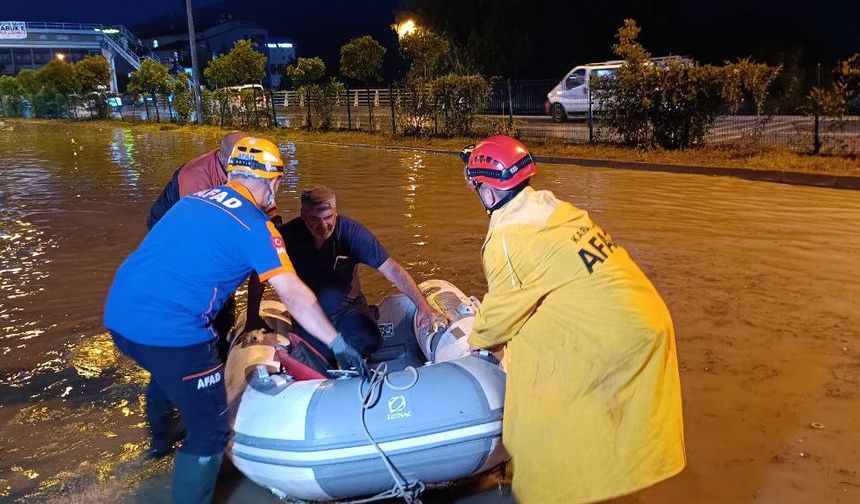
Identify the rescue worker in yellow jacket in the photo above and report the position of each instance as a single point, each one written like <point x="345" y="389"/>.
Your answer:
<point x="593" y="401"/>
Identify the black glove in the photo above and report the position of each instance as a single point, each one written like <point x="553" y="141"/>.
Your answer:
<point x="348" y="357"/>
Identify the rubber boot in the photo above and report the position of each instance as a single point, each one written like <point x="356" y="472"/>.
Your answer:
<point x="194" y="478"/>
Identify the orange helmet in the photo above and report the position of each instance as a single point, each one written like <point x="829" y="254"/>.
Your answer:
<point x="257" y="157"/>
<point x="499" y="161"/>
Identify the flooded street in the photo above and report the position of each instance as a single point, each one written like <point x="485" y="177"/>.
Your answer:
<point x="762" y="281"/>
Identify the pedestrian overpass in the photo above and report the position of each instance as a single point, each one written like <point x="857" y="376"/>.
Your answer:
<point x="33" y="45"/>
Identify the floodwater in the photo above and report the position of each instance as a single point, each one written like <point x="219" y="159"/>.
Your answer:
<point x="762" y="280"/>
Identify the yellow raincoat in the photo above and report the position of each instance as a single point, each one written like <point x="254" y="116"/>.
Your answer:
<point x="593" y="404"/>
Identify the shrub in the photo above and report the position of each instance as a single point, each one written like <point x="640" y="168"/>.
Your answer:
<point x="324" y="101"/>
<point x="674" y="103"/>
<point x="461" y="98"/>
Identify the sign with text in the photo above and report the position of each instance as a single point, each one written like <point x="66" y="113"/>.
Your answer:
<point x="13" y="30"/>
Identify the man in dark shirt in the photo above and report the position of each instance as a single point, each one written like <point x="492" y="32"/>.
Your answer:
<point x="325" y="250"/>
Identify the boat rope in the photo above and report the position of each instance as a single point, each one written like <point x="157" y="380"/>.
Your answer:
<point x="409" y="491"/>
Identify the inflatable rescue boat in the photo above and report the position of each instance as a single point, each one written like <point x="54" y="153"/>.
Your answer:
<point x="430" y="414"/>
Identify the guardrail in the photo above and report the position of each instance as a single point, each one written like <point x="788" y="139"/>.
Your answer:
<point x="113" y="35"/>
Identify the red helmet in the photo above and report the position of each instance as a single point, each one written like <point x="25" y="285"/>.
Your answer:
<point x="500" y="161"/>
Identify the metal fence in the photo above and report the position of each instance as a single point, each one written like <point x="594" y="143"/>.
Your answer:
<point x="515" y="107"/>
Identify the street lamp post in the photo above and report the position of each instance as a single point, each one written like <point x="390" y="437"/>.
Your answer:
<point x="198" y="103"/>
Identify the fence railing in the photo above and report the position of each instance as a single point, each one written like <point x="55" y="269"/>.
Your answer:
<point x="514" y="107"/>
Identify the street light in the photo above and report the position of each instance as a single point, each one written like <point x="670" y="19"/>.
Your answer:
<point x="405" y="28"/>
<point x="60" y="56"/>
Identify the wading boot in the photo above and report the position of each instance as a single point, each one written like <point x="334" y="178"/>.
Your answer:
<point x="194" y="478"/>
<point x="164" y="439"/>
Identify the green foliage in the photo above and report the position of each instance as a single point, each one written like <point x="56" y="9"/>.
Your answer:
<point x="361" y="59"/>
<point x="849" y="74"/>
<point x="748" y="81"/>
<point x="12" y="96"/>
<point x="152" y="78"/>
<point x="183" y="98"/>
<point x="93" y="74"/>
<point x="428" y="53"/>
<point x="242" y="65"/>
<point x="674" y="103"/>
<point x="209" y="103"/>
<point x="829" y="101"/>
<point x="324" y="102"/>
<point x="416" y="110"/>
<point x="28" y="83"/>
<point x="38" y="89"/>
<point x="218" y="73"/>
<point x="306" y="72"/>
<point x="835" y="99"/>
<point x="59" y="76"/>
<point x="462" y="98"/>
<point x="56" y="84"/>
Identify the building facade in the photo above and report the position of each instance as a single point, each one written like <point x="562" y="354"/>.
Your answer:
<point x="220" y="39"/>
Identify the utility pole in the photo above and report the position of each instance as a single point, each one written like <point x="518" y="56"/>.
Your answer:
<point x="198" y="103"/>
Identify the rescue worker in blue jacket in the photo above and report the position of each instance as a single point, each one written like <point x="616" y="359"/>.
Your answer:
<point x="165" y="296"/>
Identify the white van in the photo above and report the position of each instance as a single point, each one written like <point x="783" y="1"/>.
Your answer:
<point x="238" y="101"/>
<point x="570" y="96"/>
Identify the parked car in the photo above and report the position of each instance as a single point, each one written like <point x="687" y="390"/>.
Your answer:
<point x="243" y="95"/>
<point x="571" y="97"/>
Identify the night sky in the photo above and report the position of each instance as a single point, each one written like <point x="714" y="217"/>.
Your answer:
<point x="825" y="30"/>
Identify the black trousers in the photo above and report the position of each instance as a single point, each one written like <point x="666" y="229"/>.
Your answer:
<point x="192" y="379"/>
<point x="358" y="327"/>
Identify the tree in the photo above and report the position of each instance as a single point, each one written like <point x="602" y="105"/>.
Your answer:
<point x="674" y="102"/>
<point x="848" y="73"/>
<point x="12" y="96"/>
<point x="242" y="65"/>
<point x="93" y="76"/>
<point x="306" y="71"/>
<point x="462" y="97"/>
<point x="218" y="73"/>
<point x="30" y="86"/>
<point x="429" y="54"/>
<point x="322" y="98"/>
<point x="93" y="73"/>
<point x="152" y="78"/>
<point x="58" y="80"/>
<point x="361" y="59"/>
<point x="183" y="100"/>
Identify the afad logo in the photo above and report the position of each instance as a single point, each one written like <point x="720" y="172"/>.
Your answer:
<point x="396" y="408"/>
<point x="206" y="381"/>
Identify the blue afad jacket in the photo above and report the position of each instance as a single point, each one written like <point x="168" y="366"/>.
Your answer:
<point x="168" y="291"/>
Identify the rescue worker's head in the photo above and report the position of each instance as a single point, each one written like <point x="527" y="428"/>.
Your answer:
<point x="226" y="147"/>
<point x="497" y="169"/>
<point x="256" y="163"/>
<point x="319" y="211"/>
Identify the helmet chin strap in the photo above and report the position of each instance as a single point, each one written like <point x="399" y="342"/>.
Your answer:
<point x="502" y="201"/>
<point x="271" y="197"/>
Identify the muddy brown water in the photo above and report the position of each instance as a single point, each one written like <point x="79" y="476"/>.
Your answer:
<point x="762" y="280"/>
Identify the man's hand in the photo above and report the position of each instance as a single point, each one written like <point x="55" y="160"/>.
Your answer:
<point x="348" y="357"/>
<point x="428" y="318"/>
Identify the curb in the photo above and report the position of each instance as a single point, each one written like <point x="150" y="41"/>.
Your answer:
<point x="775" y="176"/>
